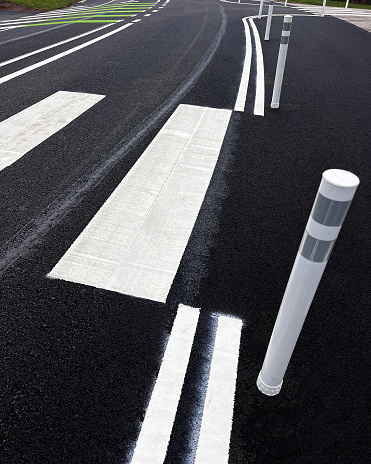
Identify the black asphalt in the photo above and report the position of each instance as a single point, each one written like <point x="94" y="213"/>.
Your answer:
<point x="78" y="363"/>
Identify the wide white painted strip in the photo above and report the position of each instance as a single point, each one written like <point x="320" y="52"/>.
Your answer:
<point x="61" y="55"/>
<point x="216" y="426"/>
<point x="135" y="242"/>
<point x="4" y="63"/>
<point x="158" y="422"/>
<point x="260" y="86"/>
<point x="244" y="84"/>
<point x="27" y="129"/>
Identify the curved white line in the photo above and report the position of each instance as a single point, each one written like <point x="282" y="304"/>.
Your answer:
<point x="242" y="92"/>
<point x="260" y="87"/>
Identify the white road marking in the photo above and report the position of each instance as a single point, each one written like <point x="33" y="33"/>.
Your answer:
<point x="27" y="129"/>
<point x="4" y="63"/>
<point x="244" y="84"/>
<point x="216" y="426"/>
<point x="135" y="242"/>
<point x="147" y="15"/>
<point x="260" y="87"/>
<point x="60" y="55"/>
<point x="156" y="429"/>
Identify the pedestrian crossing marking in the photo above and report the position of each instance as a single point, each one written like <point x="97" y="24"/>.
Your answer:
<point x="24" y="131"/>
<point x="136" y="241"/>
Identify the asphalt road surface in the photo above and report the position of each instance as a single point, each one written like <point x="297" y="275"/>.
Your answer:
<point x="152" y="205"/>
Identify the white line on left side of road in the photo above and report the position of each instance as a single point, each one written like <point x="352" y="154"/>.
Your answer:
<point x="60" y="55"/>
<point x="4" y="63"/>
<point x="216" y="425"/>
<point x="27" y="129"/>
<point x="158" y="422"/>
<point x="244" y="84"/>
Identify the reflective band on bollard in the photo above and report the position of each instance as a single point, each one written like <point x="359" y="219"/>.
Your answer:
<point x="260" y="9"/>
<point x="286" y="29"/>
<point x="269" y="20"/>
<point x="328" y="213"/>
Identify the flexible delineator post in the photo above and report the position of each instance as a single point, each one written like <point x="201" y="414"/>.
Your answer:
<point x="346" y="5"/>
<point x="260" y="9"/>
<point x="330" y="207"/>
<point x="323" y="9"/>
<point x="285" y="2"/>
<point x="285" y="36"/>
<point x="269" y="20"/>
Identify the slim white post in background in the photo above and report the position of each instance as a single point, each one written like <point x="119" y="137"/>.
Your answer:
<point x="269" y="20"/>
<point x="285" y="36"/>
<point x="330" y="207"/>
<point x="261" y="9"/>
<point x="323" y="9"/>
<point x="285" y="2"/>
<point x="346" y="5"/>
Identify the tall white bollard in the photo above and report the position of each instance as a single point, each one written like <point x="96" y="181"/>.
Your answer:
<point x="346" y="6"/>
<point x="285" y="36"/>
<point x="328" y="213"/>
<point x="323" y="9"/>
<point x="269" y="20"/>
<point x="285" y="2"/>
<point x="260" y="9"/>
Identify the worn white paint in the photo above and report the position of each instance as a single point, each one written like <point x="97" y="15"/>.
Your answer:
<point x="216" y="426"/>
<point x="27" y="129"/>
<point x="135" y="242"/>
<point x="158" y="422"/>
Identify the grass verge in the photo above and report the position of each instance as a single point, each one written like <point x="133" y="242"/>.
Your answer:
<point x="41" y="4"/>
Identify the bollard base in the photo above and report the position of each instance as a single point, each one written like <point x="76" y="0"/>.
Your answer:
<point x="275" y="105"/>
<point x="266" y="389"/>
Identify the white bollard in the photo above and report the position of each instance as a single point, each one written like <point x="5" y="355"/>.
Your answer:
<point x="328" y="213"/>
<point x="323" y="9"/>
<point x="260" y="9"/>
<point x="285" y="2"/>
<point x="269" y="20"/>
<point x="346" y="6"/>
<point x="280" y="69"/>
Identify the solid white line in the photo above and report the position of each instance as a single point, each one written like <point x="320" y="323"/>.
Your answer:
<point x="244" y="84"/>
<point x="260" y="87"/>
<point x="60" y="55"/>
<point x="27" y="129"/>
<point x="216" y="426"/>
<point x="158" y="422"/>
<point x="135" y="242"/>
<point x="4" y="63"/>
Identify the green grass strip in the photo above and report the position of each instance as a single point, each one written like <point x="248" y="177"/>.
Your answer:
<point x="87" y="17"/>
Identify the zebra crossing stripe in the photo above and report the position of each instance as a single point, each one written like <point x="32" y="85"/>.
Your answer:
<point x="158" y="422"/>
<point x="27" y="129"/>
<point x="216" y="426"/>
<point x="135" y="242"/>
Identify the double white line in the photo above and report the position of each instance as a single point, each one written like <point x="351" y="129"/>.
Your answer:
<point x="216" y="426"/>
<point x="260" y="89"/>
